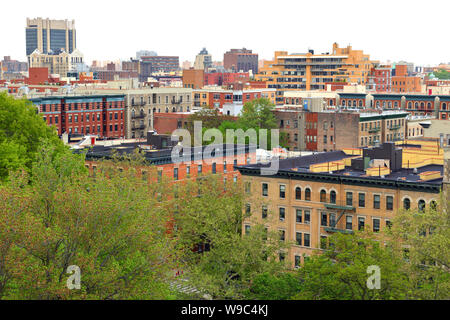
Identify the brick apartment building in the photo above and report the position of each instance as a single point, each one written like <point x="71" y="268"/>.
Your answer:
<point x="101" y="115"/>
<point x="241" y="60"/>
<point x="312" y="197"/>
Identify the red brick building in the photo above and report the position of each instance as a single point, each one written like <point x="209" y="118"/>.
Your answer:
<point x="82" y="115"/>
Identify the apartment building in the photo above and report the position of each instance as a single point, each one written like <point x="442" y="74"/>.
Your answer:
<point x="309" y="71"/>
<point x="101" y="115"/>
<point x="58" y="62"/>
<point x="241" y="60"/>
<point x="335" y="130"/>
<point x="217" y="97"/>
<point x="312" y="197"/>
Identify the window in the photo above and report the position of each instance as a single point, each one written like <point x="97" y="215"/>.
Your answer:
<point x="323" y="196"/>
<point x="248" y="209"/>
<point x="282" y="235"/>
<point x="247" y="229"/>
<point x="307" y="216"/>
<point x="389" y="203"/>
<point x="282" y="191"/>
<point x="306" y="239"/>
<point x="323" y="219"/>
<point x="376" y="225"/>
<point x="282" y="214"/>
<point x="298" y="238"/>
<point x="361" y="223"/>
<point x="333" y="196"/>
<point x="265" y="189"/>
<point x="282" y="256"/>
<point x="388" y="223"/>
<point x="376" y="201"/>
<point x="298" y="193"/>
<point x="188" y="170"/>
<point x="332" y="220"/>
<point x="348" y="223"/>
<point x="298" y="215"/>
<point x="297" y="262"/>
<point x="406" y="203"/>
<point x="175" y="173"/>
<point x="349" y="198"/>
<point x="199" y="168"/>
<point x="362" y="200"/>
<point x="264" y="212"/>
<point x="247" y="186"/>
<point x="421" y="205"/>
<point x="323" y="242"/>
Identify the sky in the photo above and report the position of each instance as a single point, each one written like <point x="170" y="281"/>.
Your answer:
<point x="413" y="31"/>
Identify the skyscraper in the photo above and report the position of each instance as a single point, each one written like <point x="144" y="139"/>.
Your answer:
<point x="50" y="35"/>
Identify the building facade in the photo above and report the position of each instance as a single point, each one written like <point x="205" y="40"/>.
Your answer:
<point x="312" y="197"/>
<point x="101" y="115"/>
<point x="241" y="60"/>
<point x="48" y="35"/>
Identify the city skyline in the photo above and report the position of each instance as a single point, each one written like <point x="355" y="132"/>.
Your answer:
<point x="107" y="34"/>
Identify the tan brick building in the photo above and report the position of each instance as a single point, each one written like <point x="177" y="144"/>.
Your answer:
<point x="311" y="197"/>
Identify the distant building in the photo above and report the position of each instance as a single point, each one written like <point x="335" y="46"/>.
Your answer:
<point x="203" y="60"/>
<point x="241" y="60"/>
<point x="152" y="64"/>
<point x="193" y="78"/>
<point x="145" y="53"/>
<point x="60" y="63"/>
<point x="49" y="36"/>
<point x="11" y="66"/>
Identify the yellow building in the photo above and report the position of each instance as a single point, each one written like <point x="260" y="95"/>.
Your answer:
<point x="311" y="197"/>
<point x="309" y="71"/>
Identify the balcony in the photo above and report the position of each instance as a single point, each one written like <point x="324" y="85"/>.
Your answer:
<point x="138" y="127"/>
<point x="374" y="130"/>
<point x="396" y="127"/>
<point x="332" y="229"/>
<point x="139" y="115"/>
<point x="339" y="206"/>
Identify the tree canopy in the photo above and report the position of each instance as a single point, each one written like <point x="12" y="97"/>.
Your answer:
<point x="22" y="131"/>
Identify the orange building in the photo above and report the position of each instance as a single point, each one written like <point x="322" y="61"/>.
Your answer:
<point x="193" y="78"/>
<point x="309" y="71"/>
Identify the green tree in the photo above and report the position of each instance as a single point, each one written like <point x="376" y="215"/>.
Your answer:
<point x="425" y="241"/>
<point x="268" y="286"/>
<point x="109" y="225"/>
<point x="442" y="74"/>
<point x="209" y="215"/>
<point x="22" y="131"/>
<point x="341" y="271"/>
<point x="258" y="114"/>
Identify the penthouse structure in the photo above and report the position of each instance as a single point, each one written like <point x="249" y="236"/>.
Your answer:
<point x="311" y="197"/>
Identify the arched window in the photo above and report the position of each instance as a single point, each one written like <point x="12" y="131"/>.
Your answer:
<point x="395" y="104"/>
<point x="133" y="113"/>
<point x="167" y="110"/>
<point x="429" y="105"/>
<point x="433" y="205"/>
<point x="333" y="196"/>
<point x="389" y="104"/>
<point x="298" y="193"/>
<point x="323" y="196"/>
<point x="406" y="203"/>
<point x="343" y="103"/>
<point x="308" y="194"/>
<point x="154" y="110"/>
<point x="378" y="104"/>
<point x="416" y="105"/>
<point x="422" y="105"/>
<point x="360" y="103"/>
<point x="174" y="110"/>
<point x="421" y="205"/>
<point x="409" y="105"/>
<point x="444" y="106"/>
<point x="354" y="103"/>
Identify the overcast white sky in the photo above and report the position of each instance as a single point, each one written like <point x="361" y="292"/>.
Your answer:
<point x="415" y="31"/>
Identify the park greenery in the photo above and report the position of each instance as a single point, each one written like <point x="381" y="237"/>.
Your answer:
<point x="130" y="235"/>
<point x="442" y="74"/>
